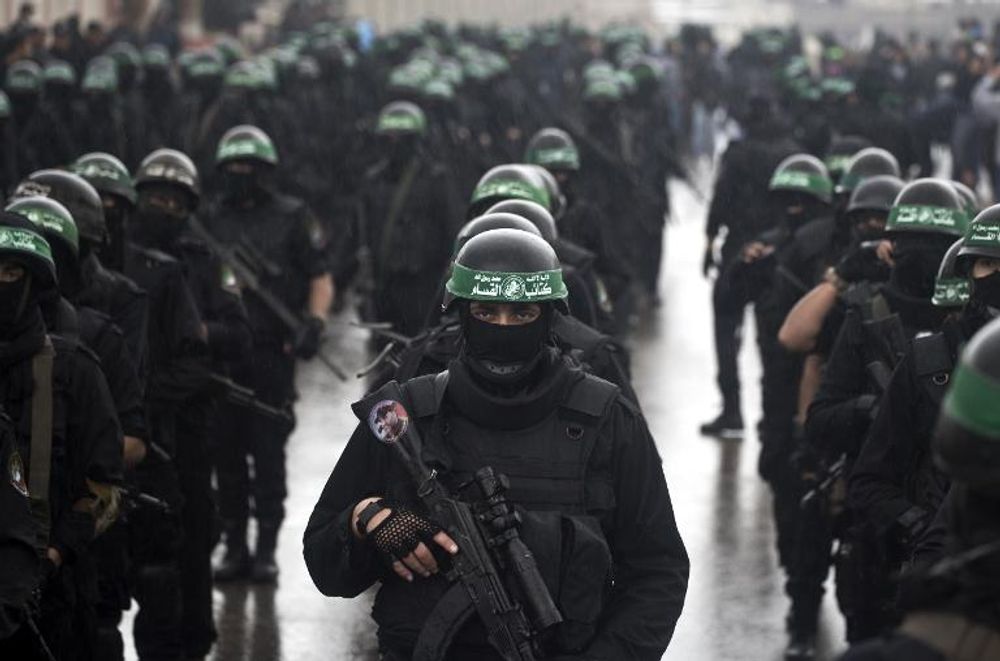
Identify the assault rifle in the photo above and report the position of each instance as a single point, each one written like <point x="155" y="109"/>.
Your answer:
<point x="833" y="473"/>
<point x="246" y="266"/>
<point x="488" y="542"/>
<point x="133" y="500"/>
<point x="246" y="398"/>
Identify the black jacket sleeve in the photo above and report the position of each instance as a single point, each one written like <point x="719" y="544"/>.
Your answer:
<point x="340" y="564"/>
<point x="650" y="562"/>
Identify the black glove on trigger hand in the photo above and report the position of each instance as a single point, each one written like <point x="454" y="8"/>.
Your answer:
<point x="310" y="335"/>
<point x="400" y="533"/>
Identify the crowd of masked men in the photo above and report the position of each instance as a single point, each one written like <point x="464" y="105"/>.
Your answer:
<point x="175" y="224"/>
<point x="173" y="227"/>
<point x="867" y="277"/>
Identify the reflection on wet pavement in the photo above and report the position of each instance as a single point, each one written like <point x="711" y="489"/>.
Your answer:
<point x="735" y="606"/>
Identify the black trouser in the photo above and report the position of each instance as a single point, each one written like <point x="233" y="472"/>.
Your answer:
<point x="242" y="435"/>
<point x="650" y="251"/>
<point x="194" y="469"/>
<point x="155" y="541"/>
<point x="728" y="327"/>
<point x="866" y="592"/>
<point x="811" y="562"/>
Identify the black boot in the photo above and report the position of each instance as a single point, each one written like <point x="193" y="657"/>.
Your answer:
<point x="801" y="625"/>
<point x="728" y="424"/>
<point x="235" y="564"/>
<point x="265" y="568"/>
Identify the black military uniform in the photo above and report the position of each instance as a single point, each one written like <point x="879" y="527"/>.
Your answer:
<point x="277" y="238"/>
<point x="741" y="205"/>
<point x="50" y="373"/>
<point x="406" y="220"/>
<point x="951" y="597"/>
<point x="510" y="401"/>
<point x="168" y="193"/>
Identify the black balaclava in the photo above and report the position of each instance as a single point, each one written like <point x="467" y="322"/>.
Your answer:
<point x="247" y="187"/>
<point x="399" y="150"/>
<point x="504" y="356"/>
<point x="157" y="227"/>
<point x="911" y="282"/>
<point x="986" y="294"/>
<point x="21" y="329"/>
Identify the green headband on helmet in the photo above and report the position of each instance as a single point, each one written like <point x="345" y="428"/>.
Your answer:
<point x="246" y="148"/>
<point x="837" y="162"/>
<point x="951" y="292"/>
<point x="923" y="218"/>
<point x="983" y="235"/>
<point x="50" y="220"/>
<point x="25" y="242"/>
<point x="391" y="122"/>
<point x="505" y="287"/>
<point x="511" y="189"/>
<point x="560" y="158"/>
<point x="808" y="182"/>
<point x="60" y="72"/>
<point x="972" y="401"/>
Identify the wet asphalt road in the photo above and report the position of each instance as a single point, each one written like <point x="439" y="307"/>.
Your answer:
<point x="735" y="604"/>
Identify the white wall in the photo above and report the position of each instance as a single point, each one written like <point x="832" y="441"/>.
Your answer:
<point x="49" y="11"/>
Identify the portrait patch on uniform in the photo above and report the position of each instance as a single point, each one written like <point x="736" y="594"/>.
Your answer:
<point x="15" y="468"/>
<point x="317" y="235"/>
<point x="388" y="421"/>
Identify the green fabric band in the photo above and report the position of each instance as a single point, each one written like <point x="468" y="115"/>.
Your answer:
<point x="921" y="218"/>
<point x="232" y="150"/>
<point x="203" y="69"/>
<point x="983" y="235"/>
<point x="850" y="180"/>
<point x="838" y="162"/>
<point x="802" y="181"/>
<point x="511" y="189"/>
<point x="974" y="402"/>
<point x="13" y="239"/>
<point x="60" y="73"/>
<point x="51" y="222"/>
<point x="562" y="158"/>
<point x="951" y="292"/>
<point x="400" y="123"/>
<point x="504" y="287"/>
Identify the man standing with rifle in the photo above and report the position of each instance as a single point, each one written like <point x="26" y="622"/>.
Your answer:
<point x="274" y="240"/>
<point x="510" y="449"/>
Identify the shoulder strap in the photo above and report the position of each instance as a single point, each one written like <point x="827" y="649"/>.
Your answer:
<point x="954" y="636"/>
<point x="399" y="197"/>
<point x="591" y="396"/>
<point x="426" y="393"/>
<point x="40" y="468"/>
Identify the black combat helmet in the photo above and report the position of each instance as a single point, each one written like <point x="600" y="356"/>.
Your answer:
<point x="508" y="182"/>
<point x="169" y="166"/>
<point x="876" y="193"/>
<point x="507" y="266"/>
<point x="401" y="118"/>
<point x="493" y="221"/>
<point x="554" y="150"/>
<point x="53" y="220"/>
<point x="967" y="438"/>
<point x="21" y="240"/>
<point x="557" y="201"/>
<point x="869" y="162"/>
<point x="841" y="151"/>
<point x="107" y="174"/>
<point x="981" y="240"/>
<point x="246" y="143"/>
<point x="928" y="206"/>
<point x="802" y="174"/>
<point x="969" y="198"/>
<point x="538" y="215"/>
<point x="951" y="289"/>
<point x="73" y="192"/>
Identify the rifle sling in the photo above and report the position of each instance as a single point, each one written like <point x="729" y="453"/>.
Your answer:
<point x="40" y="469"/>
<point x="399" y="197"/>
<point x="450" y="614"/>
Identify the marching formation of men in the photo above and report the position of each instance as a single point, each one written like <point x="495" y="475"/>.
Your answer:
<point x="178" y="226"/>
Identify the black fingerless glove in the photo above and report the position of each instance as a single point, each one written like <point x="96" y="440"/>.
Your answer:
<point x="400" y="533"/>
